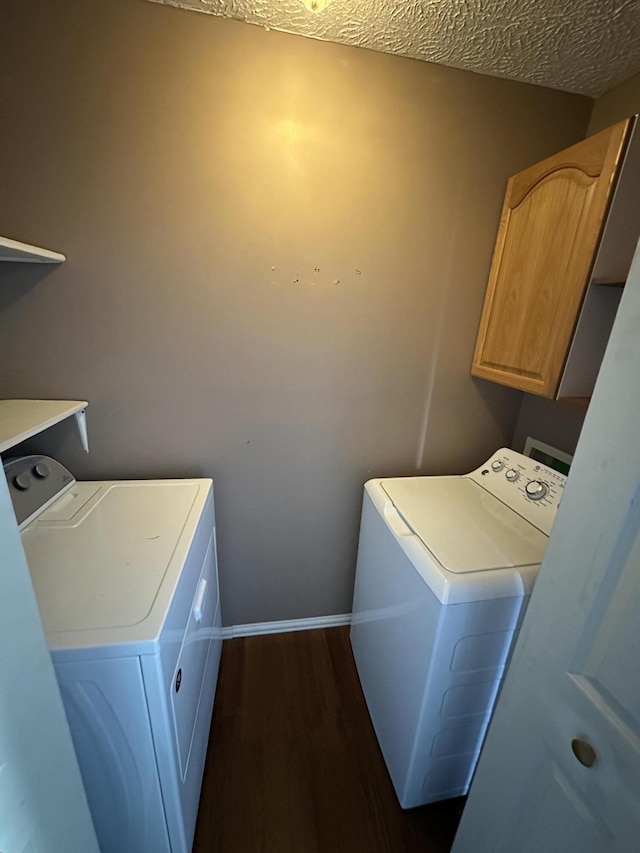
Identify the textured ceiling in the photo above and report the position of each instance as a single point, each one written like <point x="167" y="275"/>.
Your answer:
<point x="583" y="46"/>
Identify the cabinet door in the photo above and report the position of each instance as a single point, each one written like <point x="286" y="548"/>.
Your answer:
<point x="549" y="231"/>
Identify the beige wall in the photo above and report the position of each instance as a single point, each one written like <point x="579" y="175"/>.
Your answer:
<point x="616" y="104"/>
<point x="560" y="424"/>
<point x="277" y="255"/>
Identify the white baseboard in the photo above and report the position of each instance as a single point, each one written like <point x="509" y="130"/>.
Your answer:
<point x="286" y="625"/>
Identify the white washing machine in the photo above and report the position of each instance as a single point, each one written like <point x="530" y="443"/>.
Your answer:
<point x="444" y="573"/>
<point x="125" y="574"/>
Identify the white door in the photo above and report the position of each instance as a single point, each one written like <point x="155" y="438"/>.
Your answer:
<point x="560" y="770"/>
<point x="43" y="808"/>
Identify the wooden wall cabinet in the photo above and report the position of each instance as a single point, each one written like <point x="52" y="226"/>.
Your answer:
<point x="569" y="226"/>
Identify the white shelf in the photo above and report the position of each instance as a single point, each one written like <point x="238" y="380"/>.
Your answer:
<point x="22" y="419"/>
<point x="13" y="250"/>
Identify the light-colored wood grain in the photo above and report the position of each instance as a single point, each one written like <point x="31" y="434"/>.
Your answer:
<point x="549" y="230"/>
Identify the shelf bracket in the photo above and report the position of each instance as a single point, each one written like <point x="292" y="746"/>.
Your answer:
<point x="81" y="423"/>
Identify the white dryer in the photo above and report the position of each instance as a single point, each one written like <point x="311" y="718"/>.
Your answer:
<point x="125" y="575"/>
<point x="444" y="572"/>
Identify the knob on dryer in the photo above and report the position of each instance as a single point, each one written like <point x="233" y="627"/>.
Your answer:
<point x="41" y="470"/>
<point x="22" y="481"/>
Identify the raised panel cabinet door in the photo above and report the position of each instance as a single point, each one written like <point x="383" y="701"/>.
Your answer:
<point x="549" y="230"/>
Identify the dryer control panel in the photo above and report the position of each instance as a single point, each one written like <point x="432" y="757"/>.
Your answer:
<point x="34" y="483"/>
<point x="529" y="488"/>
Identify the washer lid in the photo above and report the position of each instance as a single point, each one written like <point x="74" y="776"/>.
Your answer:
<point x="465" y="527"/>
<point x="100" y="555"/>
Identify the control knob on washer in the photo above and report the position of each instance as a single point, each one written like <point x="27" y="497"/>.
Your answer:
<point x="497" y="465"/>
<point x="512" y="475"/>
<point x="536" y="490"/>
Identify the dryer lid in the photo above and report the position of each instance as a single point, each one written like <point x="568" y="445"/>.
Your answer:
<point x="465" y="527"/>
<point x="100" y="554"/>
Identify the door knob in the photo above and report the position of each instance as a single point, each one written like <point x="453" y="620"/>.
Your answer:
<point x="584" y="752"/>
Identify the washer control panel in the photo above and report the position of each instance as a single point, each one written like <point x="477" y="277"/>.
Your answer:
<point x="34" y="482"/>
<point x="531" y="489"/>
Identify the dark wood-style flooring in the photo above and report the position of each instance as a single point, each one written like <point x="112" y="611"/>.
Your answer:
<point x="293" y="764"/>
